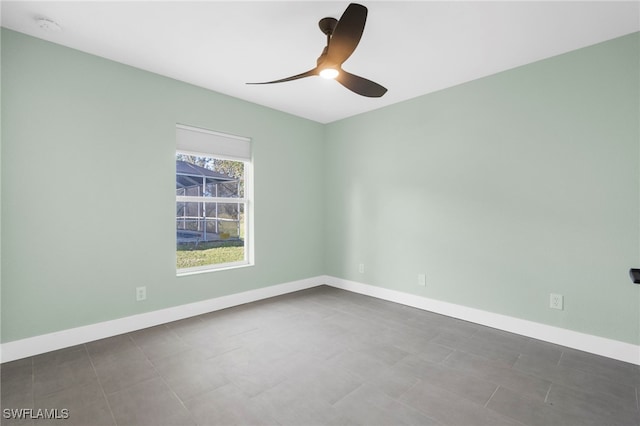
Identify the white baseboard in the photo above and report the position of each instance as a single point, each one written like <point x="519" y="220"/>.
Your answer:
<point x="36" y="345"/>
<point x="62" y="339"/>
<point x="609" y="348"/>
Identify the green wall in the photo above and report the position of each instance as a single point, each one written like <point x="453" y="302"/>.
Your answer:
<point x="501" y="190"/>
<point x="88" y="160"/>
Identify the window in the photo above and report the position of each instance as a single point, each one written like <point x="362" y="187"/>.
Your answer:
<point x="213" y="200"/>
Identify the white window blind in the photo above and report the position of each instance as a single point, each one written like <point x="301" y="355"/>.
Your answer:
<point x="201" y="141"/>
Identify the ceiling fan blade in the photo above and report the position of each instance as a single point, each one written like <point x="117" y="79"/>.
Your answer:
<point x="293" y="77"/>
<point x="360" y="85"/>
<point x="347" y="34"/>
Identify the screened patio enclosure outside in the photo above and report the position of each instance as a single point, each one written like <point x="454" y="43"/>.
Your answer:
<point x="201" y="219"/>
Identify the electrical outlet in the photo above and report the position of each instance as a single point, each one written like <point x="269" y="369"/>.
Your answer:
<point x="141" y="293"/>
<point x="361" y="268"/>
<point x="556" y="301"/>
<point x="422" y="280"/>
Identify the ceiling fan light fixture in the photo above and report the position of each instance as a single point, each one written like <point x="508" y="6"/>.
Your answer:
<point x="329" y="73"/>
<point x="343" y="37"/>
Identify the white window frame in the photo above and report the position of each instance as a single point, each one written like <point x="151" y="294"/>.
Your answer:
<point x="208" y="143"/>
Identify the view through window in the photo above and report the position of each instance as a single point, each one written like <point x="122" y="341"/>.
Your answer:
<point x="211" y="212"/>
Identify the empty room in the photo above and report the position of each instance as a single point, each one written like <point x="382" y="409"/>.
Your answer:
<point x="384" y="213"/>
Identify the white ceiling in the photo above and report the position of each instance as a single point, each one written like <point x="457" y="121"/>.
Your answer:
<point x="412" y="48"/>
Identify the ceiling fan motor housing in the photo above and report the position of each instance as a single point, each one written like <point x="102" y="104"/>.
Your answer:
<point x="327" y="25"/>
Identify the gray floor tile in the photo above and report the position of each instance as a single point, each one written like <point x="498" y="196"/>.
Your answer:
<point x="16" y="377"/>
<point x="452" y="380"/>
<point x="270" y="313"/>
<point x="263" y="348"/>
<point x="230" y="322"/>
<point x="14" y="367"/>
<point x="369" y="313"/>
<point x="193" y="329"/>
<point x="539" y="366"/>
<point x="321" y="340"/>
<point x="328" y="357"/>
<point x="487" y="349"/>
<point x="189" y="374"/>
<point x="577" y="379"/>
<point x="502" y="339"/>
<point x="327" y="328"/>
<point x="158" y="342"/>
<point x="255" y="350"/>
<point x="56" y="358"/>
<point x="352" y="323"/>
<point x="186" y="325"/>
<point x="413" y="341"/>
<point x="367" y="405"/>
<point x="429" y="350"/>
<point x="113" y="349"/>
<point x="324" y="382"/>
<point x="380" y="350"/>
<point x="312" y="308"/>
<point x="450" y="409"/>
<point x="149" y="403"/>
<point x="617" y="371"/>
<point x="291" y="404"/>
<point x="295" y="364"/>
<point x="116" y="374"/>
<point x="336" y="300"/>
<point x="18" y="420"/>
<point x="279" y="326"/>
<point x="543" y="351"/>
<point x="359" y="364"/>
<point x="11" y="400"/>
<point x="210" y="344"/>
<point x="86" y="405"/>
<point x="577" y="402"/>
<point x="453" y="327"/>
<point x="71" y="397"/>
<point x="534" y="413"/>
<point x="247" y="371"/>
<point x="94" y="414"/>
<point x="497" y="372"/>
<point x="227" y="405"/>
<point x="393" y="381"/>
<point x="62" y="376"/>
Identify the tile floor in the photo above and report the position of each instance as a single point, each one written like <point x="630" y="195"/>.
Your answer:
<point x="323" y="357"/>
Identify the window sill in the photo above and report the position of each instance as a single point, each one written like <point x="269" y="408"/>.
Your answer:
<point x="213" y="268"/>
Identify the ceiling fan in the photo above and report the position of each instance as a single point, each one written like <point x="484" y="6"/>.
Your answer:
<point x="343" y="37"/>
